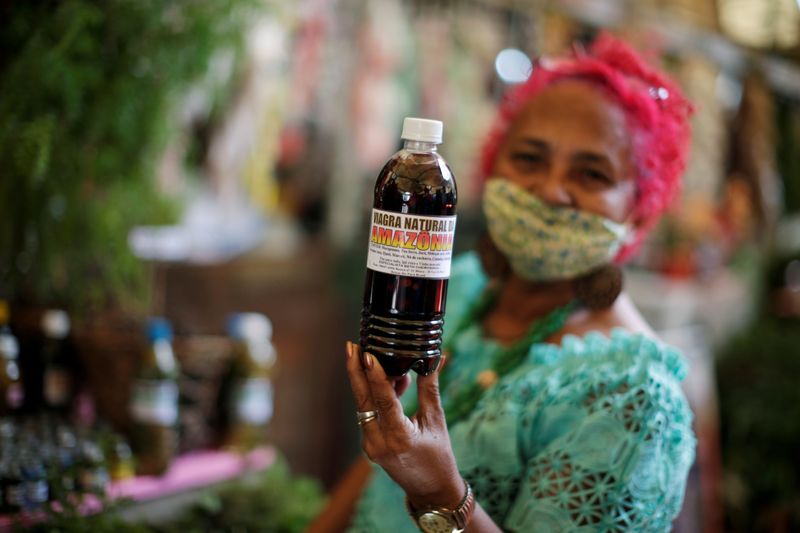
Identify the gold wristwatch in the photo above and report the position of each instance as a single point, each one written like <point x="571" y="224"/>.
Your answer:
<point x="444" y="520"/>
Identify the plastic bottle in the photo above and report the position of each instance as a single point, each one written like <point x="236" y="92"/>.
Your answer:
<point x="92" y="469"/>
<point x="64" y="467"/>
<point x="12" y="488"/>
<point x="120" y="459"/>
<point x="154" y="402"/>
<point x="58" y="362"/>
<point x="249" y="398"/>
<point x="12" y="391"/>
<point x="411" y="241"/>
<point x="34" y="474"/>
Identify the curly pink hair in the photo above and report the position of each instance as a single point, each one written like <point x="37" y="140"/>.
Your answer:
<point x="656" y="110"/>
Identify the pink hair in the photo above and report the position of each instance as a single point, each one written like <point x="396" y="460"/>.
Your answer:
<point x="656" y="110"/>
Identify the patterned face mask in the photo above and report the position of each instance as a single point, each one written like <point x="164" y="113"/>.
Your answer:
<point x="545" y="243"/>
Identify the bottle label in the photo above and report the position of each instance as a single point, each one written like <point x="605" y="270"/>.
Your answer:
<point x="155" y="402"/>
<point x="411" y="245"/>
<point x="253" y="401"/>
<point x="57" y="384"/>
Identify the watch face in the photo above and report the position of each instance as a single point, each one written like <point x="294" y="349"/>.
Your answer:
<point x="434" y="522"/>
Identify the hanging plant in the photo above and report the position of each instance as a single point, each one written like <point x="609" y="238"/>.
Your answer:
<point x="88" y="90"/>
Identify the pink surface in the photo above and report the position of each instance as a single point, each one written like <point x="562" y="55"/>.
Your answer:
<point x="191" y="471"/>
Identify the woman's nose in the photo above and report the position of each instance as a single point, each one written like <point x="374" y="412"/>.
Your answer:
<point x="552" y="189"/>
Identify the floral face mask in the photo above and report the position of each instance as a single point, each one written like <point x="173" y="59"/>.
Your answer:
<point x="546" y="243"/>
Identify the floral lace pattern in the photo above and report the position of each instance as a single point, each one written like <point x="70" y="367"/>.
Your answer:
<point x="593" y="435"/>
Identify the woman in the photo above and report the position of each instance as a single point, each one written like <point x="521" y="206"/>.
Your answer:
<point x="559" y="411"/>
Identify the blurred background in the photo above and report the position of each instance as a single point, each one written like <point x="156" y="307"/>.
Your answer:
<point x="211" y="162"/>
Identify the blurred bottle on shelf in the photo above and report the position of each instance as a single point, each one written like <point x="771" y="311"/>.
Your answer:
<point x="12" y="487"/>
<point x="43" y="460"/>
<point x="120" y="459"/>
<point x="63" y="463"/>
<point x="12" y="391"/>
<point x="154" y="402"/>
<point x="247" y="388"/>
<point x="34" y="475"/>
<point x="49" y="453"/>
<point x="91" y="467"/>
<point x="58" y="363"/>
<point x="24" y="475"/>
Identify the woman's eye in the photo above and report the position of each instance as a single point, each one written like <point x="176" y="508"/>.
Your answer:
<point x="596" y="177"/>
<point x="527" y="161"/>
<point x="523" y="156"/>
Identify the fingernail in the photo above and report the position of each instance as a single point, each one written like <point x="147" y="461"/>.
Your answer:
<point x="369" y="361"/>
<point x="348" y="349"/>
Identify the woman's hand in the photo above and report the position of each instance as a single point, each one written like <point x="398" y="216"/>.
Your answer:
<point x="416" y="451"/>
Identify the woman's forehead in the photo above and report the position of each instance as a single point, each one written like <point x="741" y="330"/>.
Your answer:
<point x="575" y="113"/>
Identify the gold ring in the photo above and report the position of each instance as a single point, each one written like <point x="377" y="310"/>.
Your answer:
<point x="364" y="417"/>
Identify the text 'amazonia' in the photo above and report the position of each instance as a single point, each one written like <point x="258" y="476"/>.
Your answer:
<point x="418" y="240"/>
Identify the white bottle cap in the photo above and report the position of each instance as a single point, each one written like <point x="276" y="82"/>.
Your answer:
<point x="422" y="129"/>
<point x="55" y="324"/>
<point x="9" y="348"/>
<point x="254" y="327"/>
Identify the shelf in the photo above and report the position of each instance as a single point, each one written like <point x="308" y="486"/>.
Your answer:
<point x="154" y="498"/>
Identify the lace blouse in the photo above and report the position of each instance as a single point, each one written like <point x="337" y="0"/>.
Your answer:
<point x="592" y="435"/>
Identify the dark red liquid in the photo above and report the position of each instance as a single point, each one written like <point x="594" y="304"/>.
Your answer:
<point x="402" y="316"/>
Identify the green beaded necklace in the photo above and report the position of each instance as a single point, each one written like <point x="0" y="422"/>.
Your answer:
<point x="503" y="361"/>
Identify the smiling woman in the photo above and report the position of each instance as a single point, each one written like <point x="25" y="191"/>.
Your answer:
<point x="587" y="168"/>
<point x="561" y="411"/>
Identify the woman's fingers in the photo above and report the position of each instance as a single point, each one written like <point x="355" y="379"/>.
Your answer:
<point x="364" y="402"/>
<point x="430" y="404"/>
<point x="401" y="385"/>
<point x="358" y="381"/>
<point x="392" y="418"/>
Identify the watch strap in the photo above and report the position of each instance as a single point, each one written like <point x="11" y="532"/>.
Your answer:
<point x="461" y="515"/>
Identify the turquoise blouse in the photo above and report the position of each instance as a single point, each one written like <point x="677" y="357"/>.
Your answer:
<point x="592" y="435"/>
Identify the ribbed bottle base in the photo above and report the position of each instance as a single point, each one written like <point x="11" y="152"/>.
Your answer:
<point x="402" y="345"/>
